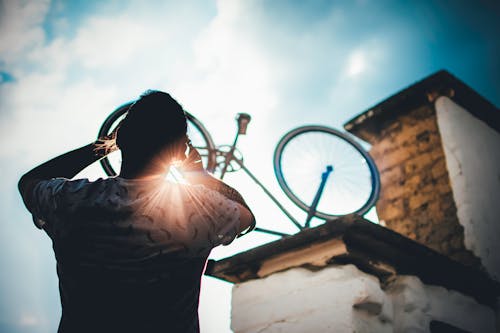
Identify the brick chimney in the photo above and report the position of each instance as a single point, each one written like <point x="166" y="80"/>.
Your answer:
<point x="427" y="141"/>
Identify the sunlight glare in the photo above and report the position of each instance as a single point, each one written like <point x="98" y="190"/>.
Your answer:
<point x="356" y="64"/>
<point x="175" y="176"/>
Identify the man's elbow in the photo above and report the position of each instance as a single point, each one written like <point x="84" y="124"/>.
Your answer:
<point x="247" y="220"/>
<point x="25" y="186"/>
<point x="22" y="184"/>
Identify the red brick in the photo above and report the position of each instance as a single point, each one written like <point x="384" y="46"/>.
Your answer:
<point x="409" y="134"/>
<point x="393" y="159"/>
<point x="436" y="153"/>
<point x="403" y="226"/>
<point x="382" y="147"/>
<point x="413" y="182"/>
<point x="439" y="169"/>
<point x="417" y="163"/>
<point x="392" y="192"/>
<point x="447" y="202"/>
<point x="415" y="117"/>
<point x="442" y="185"/>
<point x="418" y="199"/>
<point x="433" y="209"/>
<point x="391" y="176"/>
<point x="391" y="128"/>
<point x="434" y="140"/>
<point x="389" y="210"/>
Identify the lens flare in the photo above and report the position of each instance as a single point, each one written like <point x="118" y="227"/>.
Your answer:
<point x="175" y="175"/>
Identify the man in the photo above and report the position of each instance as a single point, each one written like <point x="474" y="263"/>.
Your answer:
<point x="131" y="250"/>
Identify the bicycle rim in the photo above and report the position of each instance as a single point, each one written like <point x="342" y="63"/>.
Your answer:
<point x="303" y="154"/>
<point x="198" y="134"/>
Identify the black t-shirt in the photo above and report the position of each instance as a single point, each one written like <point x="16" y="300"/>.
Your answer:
<point x="130" y="253"/>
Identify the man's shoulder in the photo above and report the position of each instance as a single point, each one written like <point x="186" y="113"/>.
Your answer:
<point x="70" y="186"/>
<point x="73" y="190"/>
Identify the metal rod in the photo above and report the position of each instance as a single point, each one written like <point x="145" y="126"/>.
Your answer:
<point x="229" y="156"/>
<point x="294" y="221"/>
<point x="272" y="232"/>
<point x="314" y="205"/>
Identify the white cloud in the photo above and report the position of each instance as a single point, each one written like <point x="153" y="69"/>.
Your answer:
<point x="365" y="60"/>
<point x="20" y="27"/>
<point x="360" y="69"/>
<point x="109" y="43"/>
<point x="234" y="74"/>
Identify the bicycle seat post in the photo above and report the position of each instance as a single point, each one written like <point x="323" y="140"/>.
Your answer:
<point x="242" y="119"/>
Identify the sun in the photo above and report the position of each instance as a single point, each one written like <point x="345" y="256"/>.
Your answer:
<point x="356" y="64"/>
<point x="175" y="176"/>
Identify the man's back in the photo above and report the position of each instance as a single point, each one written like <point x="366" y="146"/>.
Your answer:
<point x="100" y="301"/>
<point x="130" y="253"/>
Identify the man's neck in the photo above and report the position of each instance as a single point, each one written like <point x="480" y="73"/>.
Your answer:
<point x="149" y="171"/>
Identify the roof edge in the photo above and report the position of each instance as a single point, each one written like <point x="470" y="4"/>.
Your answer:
<point x="369" y="123"/>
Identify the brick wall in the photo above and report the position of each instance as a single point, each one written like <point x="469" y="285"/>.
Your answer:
<point x="416" y="198"/>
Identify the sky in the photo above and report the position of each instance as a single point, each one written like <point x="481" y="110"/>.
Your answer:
<point x="65" y="65"/>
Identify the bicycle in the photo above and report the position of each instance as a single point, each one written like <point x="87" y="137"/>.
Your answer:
<point x="303" y="156"/>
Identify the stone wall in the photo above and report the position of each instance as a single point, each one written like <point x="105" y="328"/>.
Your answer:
<point x="416" y="198"/>
<point x="343" y="299"/>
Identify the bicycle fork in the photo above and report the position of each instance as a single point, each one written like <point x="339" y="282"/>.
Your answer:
<point x="314" y="205"/>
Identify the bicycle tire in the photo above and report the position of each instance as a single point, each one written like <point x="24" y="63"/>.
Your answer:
<point x="290" y="141"/>
<point x="208" y="157"/>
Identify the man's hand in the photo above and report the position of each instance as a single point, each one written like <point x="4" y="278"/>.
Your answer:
<point x="106" y="144"/>
<point x="194" y="173"/>
<point x="193" y="162"/>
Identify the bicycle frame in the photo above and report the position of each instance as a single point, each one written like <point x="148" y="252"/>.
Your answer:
<point x="243" y="119"/>
<point x="272" y="197"/>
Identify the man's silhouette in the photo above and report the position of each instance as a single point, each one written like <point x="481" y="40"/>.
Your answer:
<point x="131" y="249"/>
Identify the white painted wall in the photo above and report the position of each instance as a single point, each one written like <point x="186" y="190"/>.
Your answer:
<point x="342" y="299"/>
<point x="299" y="300"/>
<point x="416" y="305"/>
<point x="472" y="151"/>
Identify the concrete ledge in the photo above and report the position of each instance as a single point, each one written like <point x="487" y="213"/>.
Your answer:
<point x="372" y="248"/>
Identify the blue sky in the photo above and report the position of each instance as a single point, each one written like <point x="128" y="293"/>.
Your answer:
<point x="65" y="65"/>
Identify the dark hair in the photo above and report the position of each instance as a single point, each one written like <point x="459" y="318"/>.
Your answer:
<point x="153" y="122"/>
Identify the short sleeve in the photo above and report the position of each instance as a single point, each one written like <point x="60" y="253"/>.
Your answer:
<point x="226" y="216"/>
<point x="48" y="198"/>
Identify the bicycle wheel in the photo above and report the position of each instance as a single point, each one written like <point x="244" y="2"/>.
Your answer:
<point x="198" y="134"/>
<point x="305" y="153"/>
